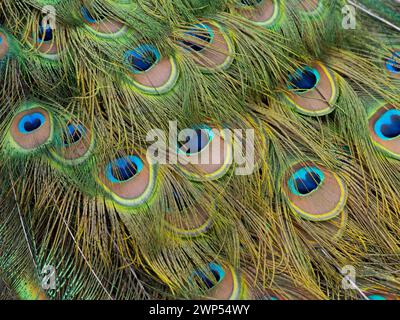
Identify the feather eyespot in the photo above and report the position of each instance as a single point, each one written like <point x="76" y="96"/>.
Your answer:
<point x="198" y="38"/>
<point x="88" y="16"/>
<point x="102" y="26"/>
<point x="129" y="180"/>
<point x="204" y="153"/>
<point x="74" y="133"/>
<point x="261" y="12"/>
<point x="149" y="71"/>
<point x="304" y="80"/>
<point x="31" y="122"/>
<point x="31" y="128"/>
<point x="210" y="47"/>
<point x="187" y="216"/>
<point x="384" y="128"/>
<point x="313" y="232"/>
<point x="45" y="33"/>
<point x="376" y="297"/>
<point x="312" y="90"/>
<point x="392" y="65"/>
<point x="388" y="126"/>
<point x="314" y="192"/>
<point x="43" y="39"/>
<point x="216" y="275"/>
<point x="377" y="293"/>
<point x="124" y="169"/>
<point x="142" y="58"/>
<point x="3" y="46"/>
<point x="305" y="181"/>
<point x="218" y="282"/>
<point x="76" y="145"/>
<point x="196" y="141"/>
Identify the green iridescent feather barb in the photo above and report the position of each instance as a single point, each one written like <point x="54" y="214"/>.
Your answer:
<point x="292" y="108"/>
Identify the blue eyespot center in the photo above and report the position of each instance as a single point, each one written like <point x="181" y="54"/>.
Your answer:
<point x="45" y="32"/>
<point x="305" y="180"/>
<point x="304" y="79"/>
<point x="210" y="279"/>
<point x="89" y="17"/>
<point x="31" y="122"/>
<point x="124" y="169"/>
<point x="376" y="297"/>
<point x="196" y="140"/>
<point x="142" y="58"/>
<point x="393" y="63"/>
<point x="387" y="127"/>
<point x="202" y="34"/>
<point x="74" y="133"/>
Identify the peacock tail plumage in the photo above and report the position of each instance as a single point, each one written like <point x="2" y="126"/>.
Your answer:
<point x="310" y="105"/>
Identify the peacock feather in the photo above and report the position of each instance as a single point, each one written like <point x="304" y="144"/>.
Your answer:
<point x="209" y="149"/>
